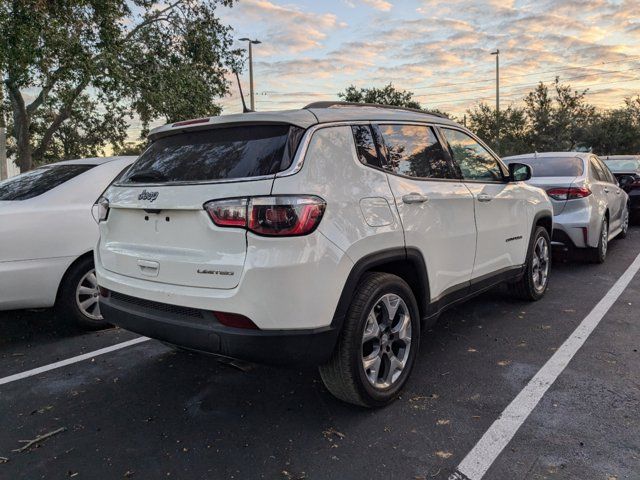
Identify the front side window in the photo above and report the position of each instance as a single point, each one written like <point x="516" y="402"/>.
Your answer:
<point x="414" y="151"/>
<point x="472" y="159"/>
<point x="216" y="154"/>
<point x="38" y="181"/>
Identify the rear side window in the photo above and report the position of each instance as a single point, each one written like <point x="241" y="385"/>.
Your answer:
<point x="605" y="170"/>
<point x="474" y="161"/>
<point x="217" y="154"/>
<point x="365" y="145"/>
<point x="414" y="151"/>
<point x="552" y="166"/>
<point x="38" y="181"/>
<point x="597" y="173"/>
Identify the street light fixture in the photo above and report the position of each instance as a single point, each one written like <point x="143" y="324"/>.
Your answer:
<point x="251" y="95"/>
<point x="497" y="54"/>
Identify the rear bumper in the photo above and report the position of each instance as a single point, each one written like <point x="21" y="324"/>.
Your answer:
<point x="200" y="330"/>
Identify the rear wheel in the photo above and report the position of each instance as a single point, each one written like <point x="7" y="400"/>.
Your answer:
<point x="533" y="284"/>
<point x="78" y="298"/>
<point x="378" y="345"/>
<point x="625" y="224"/>
<point x="599" y="254"/>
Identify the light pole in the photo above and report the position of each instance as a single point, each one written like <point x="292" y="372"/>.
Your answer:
<point x="251" y="96"/>
<point x="497" y="54"/>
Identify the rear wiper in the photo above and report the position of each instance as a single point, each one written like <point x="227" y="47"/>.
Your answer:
<point x="147" y="175"/>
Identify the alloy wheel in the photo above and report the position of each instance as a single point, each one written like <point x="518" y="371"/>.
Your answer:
<point x="625" y="222"/>
<point x="386" y="341"/>
<point x="87" y="296"/>
<point x="540" y="264"/>
<point x="604" y="238"/>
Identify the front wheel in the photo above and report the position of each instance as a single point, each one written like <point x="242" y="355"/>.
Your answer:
<point x="378" y="344"/>
<point x="533" y="284"/>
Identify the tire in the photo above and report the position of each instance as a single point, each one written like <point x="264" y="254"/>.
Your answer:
<point x="599" y="254"/>
<point x="345" y="375"/>
<point x="625" y="224"/>
<point x="78" y="277"/>
<point x="535" y="280"/>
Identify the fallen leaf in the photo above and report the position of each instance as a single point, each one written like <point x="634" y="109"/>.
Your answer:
<point x="472" y="350"/>
<point x="504" y="363"/>
<point x="443" y="421"/>
<point x="444" y="455"/>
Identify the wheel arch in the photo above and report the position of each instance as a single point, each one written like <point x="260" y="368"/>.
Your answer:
<point x="407" y="263"/>
<point x="80" y="258"/>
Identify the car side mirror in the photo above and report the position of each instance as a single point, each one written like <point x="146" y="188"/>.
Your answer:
<point x="519" y="172"/>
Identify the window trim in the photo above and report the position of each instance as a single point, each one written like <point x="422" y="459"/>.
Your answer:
<point x="503" y="169"/>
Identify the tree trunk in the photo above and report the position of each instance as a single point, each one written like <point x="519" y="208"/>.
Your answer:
<point x="21" y="124"/>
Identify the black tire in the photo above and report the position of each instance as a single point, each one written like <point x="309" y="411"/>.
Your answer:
<point x="599" y="254"/>
<point x="526" y="287"/>
<point x="625" y="225"/>
<point x="344" y="375"/>
<point x="66" y="303"/>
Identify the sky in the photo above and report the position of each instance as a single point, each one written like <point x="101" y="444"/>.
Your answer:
<point x="440" y="50"/>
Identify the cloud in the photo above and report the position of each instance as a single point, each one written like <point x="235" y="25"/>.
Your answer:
<point x="440" y="48"/>
<point x="381" y="5"/>
<point x="289" y="28"/>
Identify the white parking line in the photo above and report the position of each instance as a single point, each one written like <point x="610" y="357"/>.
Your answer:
<point x="69" y="361"/>
<point x="481" y="457"/>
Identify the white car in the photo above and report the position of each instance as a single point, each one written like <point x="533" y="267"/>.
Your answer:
<point x="589" y="206"/>
<point x="322" y="235"/>
<point x="48" y="233"/>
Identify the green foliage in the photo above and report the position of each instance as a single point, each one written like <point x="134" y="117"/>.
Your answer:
<point x="387" y="95"/>
<point x="558" y="118"/>
<point x="513" y="128"/>
<point x="64" y="62"/>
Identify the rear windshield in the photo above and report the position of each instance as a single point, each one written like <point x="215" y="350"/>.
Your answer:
<point x="552" y="166"/>
<point x="217" y="154"/>
<point x="625" y="165"/>
<point x="38" y="181"/>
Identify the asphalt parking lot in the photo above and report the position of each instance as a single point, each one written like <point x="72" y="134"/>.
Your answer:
<point x="147" y="411"/>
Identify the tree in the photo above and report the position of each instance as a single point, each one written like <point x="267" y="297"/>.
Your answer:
<point x="387" y="95"/>
<point x="124" y="57"/>
<point x="614" y="131"/>
<point x="513" y="127"/>
<point x="557" y="123"/>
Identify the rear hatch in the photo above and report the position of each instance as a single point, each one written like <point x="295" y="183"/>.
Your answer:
<point x="157" y="228"/>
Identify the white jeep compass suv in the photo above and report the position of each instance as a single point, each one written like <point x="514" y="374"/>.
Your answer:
<point x="327" y="235"/>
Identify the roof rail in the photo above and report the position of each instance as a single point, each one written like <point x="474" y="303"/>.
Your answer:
<point x="329" y="104"/>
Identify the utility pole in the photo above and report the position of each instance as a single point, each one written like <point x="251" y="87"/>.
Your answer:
<point x="497" y="54"/>
<point x="251" y="94"/>
<point x="3" y="134"/>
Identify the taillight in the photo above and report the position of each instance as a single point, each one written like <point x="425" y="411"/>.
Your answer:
<point x="277" y="216"/>
<point x="103" y="209"/>
<point x="228" y="213"/>
<point x="570" y="193"/>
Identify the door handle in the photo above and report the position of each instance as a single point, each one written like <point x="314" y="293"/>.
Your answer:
<point x="149" y="268"/>
<point x="414" y="197"/>
<point x="483" y="197"/>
